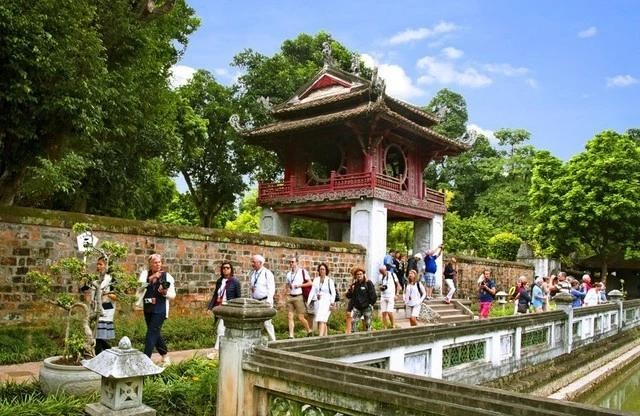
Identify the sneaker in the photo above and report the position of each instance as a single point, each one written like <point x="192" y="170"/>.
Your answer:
<point x="166" y="361"/>
<point x="310" y="333"/>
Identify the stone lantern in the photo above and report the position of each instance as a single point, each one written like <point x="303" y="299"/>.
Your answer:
<point x="122" y="369"/>
<point x="501" y="298"/>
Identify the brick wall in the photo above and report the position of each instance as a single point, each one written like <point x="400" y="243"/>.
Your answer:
<point x="505" y="274"/>
<point x="31" y="239"/>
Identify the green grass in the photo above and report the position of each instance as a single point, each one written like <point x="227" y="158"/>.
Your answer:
<point x="188" y="388"/>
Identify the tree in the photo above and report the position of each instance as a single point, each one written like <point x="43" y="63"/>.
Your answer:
<point x="504" y="246"/>
<point x="594" y="201"/>
<point x="210" y="155"/>
<point x="468" y="236"/>
<point x="88" y="78"/>
<point x="454" y="122"/>
<point x="248" y="219"/>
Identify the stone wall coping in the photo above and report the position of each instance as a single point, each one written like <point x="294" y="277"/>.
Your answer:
<point x="488" y="262"/>
<point x="364" y="342"/>
<point x="61" y="219"/>
<point x="590" y="310"/>
<point x="383" y="386"/>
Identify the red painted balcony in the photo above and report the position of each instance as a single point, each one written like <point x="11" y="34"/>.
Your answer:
<point x="349" y="184"/>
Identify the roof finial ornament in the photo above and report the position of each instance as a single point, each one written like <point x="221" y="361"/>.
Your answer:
<point x="326" y="54"/>
<point x="234" y="121"/>
<point x="441" y="111"/>
<point x="355" y="64"/>
<point x="265" y="102"/>
<point x="468" y="137"/>
<point x="377" y="84"/>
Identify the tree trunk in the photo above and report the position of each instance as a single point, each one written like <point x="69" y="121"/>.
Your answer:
<point x="10" y="182"/>
<point x="604" y="271"/>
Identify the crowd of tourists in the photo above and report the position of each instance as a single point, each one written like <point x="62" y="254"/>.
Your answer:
<point x="536" y="298"/>
<point x="310" y="298"/>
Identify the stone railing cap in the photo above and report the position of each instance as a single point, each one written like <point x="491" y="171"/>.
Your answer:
<point x="563" y="297"/>
<point x="122" y="361"/>
<point x="244" y="309"/>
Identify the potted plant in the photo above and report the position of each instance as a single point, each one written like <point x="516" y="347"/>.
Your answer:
<point x="62" y="285"/>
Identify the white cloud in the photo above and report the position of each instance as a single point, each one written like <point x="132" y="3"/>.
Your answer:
<point x="532" y="82"/>
<point x="452" y="53"/>
<point x="410" y="35"/>
<point x="588" y="32"/>
<point x="446" y="73"/>
<point x="485" y="132"/>
<point x="180" y="75"/>
<point x="621" y="81"/>
<point x="398" y="83"/>
<point x="506" y="69"/>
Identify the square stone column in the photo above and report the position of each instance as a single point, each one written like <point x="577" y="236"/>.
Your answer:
<point x="369" y="228"/>
<point x="244" y="320"/>
<point x="272" y="223"/>
<point x="427" y="235"/>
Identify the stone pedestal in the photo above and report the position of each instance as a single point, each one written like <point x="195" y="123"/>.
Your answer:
<point x="244" y="320"/>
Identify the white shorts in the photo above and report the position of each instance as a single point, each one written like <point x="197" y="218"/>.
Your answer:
<point x="387" y="305"/>
<point x="413" y="311"/>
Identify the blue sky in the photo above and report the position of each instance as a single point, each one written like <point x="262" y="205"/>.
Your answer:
<point x="563" y="70"/>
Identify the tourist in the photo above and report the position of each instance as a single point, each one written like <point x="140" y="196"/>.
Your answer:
<point x="297" y="278"/>
<point x="389" y="260"/>
<point x="263" y="288"/>
<point x="323" y="295"/>
<point x="401" y="269"/>
<point x="523" y="297"/>
<point x="157" y="289"/>
<point x="389" y="290"/>
<point x="363" y="294"/>
<point x="227" y="287"/>
<point x="105" y="329"/>
<point x="546" y="290"/>
<point x="586" y="283"/>
<point x="349" y="316"/>
<point x="576" y="294"/>
<point x="563" y="284"/>
<point x="486" y="293"/>
<point x="537" y="295"/>
<point x="592" y="296"/>
<point x="430" y="269"/>
<point x="412" y="263"/>
<point x="450" y="277"/>
<point x="414" y="294"/>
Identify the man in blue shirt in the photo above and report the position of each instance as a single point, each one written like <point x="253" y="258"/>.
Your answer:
<point x="430" y="268"/>
<point x="388" y="261"/>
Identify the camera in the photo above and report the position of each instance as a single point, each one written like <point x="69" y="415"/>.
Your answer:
<point x="165" y="285"/>
<point x="383" y="287"/>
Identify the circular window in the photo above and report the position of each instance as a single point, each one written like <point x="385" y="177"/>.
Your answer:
<point x="323" y="162"/>
<point x="395" y="162"/>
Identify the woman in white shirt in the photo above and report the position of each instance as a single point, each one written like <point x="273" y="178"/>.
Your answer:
<point x="413" y="296"/>
<point x="323" y="294"/>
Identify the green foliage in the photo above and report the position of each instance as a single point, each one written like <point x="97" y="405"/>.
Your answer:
<point x="468" y="236"/>
<point x="188" y="388"/>
<point x="593" y="201"/>
<point x="305" y="228"/>
<point x="504" y="246"/>
<point x="248" y="219"/>
<point x="20" y="343"/>
<point x="400" y="236"/>
<point x="180" y="211"/>
<point x="455" y="119"/>
<point x="26" y="399"/>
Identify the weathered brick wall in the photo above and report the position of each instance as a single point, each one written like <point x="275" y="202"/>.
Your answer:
<point x="505" y="274"/>
<point x="31" y="239"/>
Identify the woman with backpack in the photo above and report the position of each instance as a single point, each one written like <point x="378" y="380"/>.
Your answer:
<point x="413" y="296"/>
<point x="323" y="295"/>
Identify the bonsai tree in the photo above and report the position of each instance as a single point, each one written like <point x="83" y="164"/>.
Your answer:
<point x="57" y="284"/>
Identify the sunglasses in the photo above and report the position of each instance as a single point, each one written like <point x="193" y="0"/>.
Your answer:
<point x="226" y="267"/>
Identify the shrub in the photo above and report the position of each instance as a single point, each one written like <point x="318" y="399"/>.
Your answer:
<point x="504" y="246"/>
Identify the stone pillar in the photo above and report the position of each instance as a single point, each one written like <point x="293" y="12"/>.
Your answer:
<point x="427" y="235"/>
<point x="563" y="302"/>
<point x="617" y="297"/>
<point x="272" y="223"/>
<point x="369" y="228"/>
<point x="244" y="320"/>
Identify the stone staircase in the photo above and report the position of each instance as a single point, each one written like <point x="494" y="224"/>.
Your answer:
<point x="449" y="313"/>
<point x="446" y="313"/>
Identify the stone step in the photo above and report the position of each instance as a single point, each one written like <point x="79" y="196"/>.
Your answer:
<point x="455" y="318"/>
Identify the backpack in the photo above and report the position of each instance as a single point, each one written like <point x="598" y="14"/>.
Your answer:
<point x="305" y="289"/>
